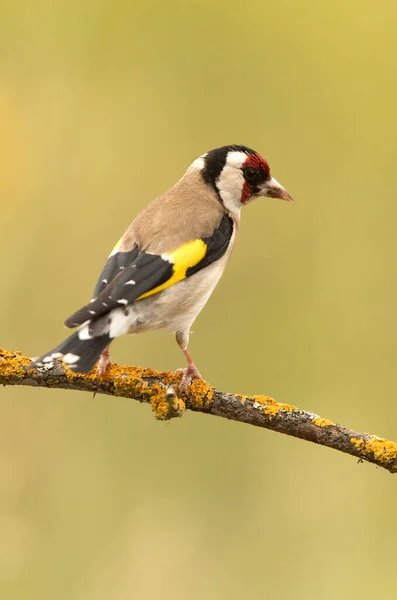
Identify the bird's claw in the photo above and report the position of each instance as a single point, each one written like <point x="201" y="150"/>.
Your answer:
<point x="188" y="374"/>
<point x="103" y="363"/>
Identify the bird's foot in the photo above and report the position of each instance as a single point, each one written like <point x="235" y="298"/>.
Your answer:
<point x="188" y="374"/>
<point x="103" y="363"/>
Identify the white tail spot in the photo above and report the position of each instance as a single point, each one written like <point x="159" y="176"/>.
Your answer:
<point x="51" y="357"/>
<point x="70" y="358"/>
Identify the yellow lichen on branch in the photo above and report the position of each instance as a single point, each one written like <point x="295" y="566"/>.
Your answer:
<point x="268" y="405"/>
<point x="383" y="451"/>
<point x="322" y="422"/>
<point x="13" y="364"/>
<point x="161" y="391"/>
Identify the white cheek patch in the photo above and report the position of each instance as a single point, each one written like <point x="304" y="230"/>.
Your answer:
<point x="230" y="185"/>
<point x="231" y="181"/>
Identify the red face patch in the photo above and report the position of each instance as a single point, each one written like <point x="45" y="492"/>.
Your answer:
<point x="246" y="193"/>
<point x="253" y="161"/>
<point x="257" y="162"/>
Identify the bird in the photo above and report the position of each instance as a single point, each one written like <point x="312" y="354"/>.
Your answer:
<point x="165" y="267"/>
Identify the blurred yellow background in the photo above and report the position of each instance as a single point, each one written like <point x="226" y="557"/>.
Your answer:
<point x="103" y="105"/>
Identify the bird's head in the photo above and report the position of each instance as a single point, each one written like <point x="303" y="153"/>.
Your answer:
<point x="239" y="175"/>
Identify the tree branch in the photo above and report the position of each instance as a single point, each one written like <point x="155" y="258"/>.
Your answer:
<point x="160" y="390"/>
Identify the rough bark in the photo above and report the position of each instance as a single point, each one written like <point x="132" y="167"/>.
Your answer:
<point x="160" y="390"/>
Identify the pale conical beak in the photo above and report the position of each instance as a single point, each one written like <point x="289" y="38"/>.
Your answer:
<point x="273" y="189"/>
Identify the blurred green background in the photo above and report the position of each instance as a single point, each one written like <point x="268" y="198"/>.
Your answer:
<point x="102" y="107"/>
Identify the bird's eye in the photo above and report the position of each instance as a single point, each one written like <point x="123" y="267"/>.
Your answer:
<point x="251" y="174"/>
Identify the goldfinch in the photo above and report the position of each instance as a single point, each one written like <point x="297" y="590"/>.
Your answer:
<point x="168" y="262"/>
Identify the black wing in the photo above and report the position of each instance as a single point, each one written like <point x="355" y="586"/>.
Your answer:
<point x="127" y="276"/>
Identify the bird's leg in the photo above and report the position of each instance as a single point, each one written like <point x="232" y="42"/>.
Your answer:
<point x="104" y="361"/>
<point x="191" y="372"/>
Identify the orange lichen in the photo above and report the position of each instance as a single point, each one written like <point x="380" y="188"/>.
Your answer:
<point x="161" y="391"/>
<point x="72" y="376"/>
<point x="200" y="394"/>
<point x="322" y="422"/>
<point x="268" y="405"/>
<point x="167" y="405"/>
<point x="116" y="371"/>
<point x="13" y="364"/>
<point x="382" y="451"/>
<point x="274" y="408"/>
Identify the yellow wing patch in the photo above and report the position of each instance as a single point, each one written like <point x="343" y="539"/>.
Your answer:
<point x="188" y="255"/>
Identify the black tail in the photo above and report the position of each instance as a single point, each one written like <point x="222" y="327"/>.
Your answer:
<point x="79" y="354"/>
